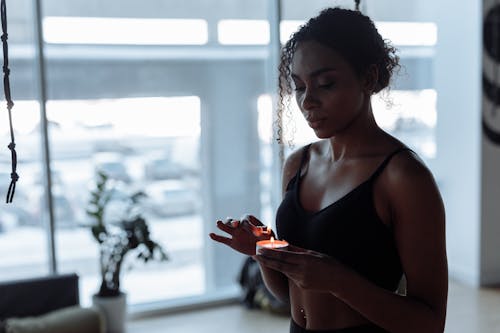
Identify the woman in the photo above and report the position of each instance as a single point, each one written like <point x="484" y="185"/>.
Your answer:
<point x="360" y="210"/>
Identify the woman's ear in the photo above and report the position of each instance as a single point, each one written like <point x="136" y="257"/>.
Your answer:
<point x="371" y="79"/>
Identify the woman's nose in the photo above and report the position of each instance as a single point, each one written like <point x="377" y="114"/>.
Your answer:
<point x="309" y="100"/>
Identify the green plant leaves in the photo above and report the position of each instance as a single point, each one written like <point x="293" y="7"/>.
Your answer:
<point x="130" y="234"/>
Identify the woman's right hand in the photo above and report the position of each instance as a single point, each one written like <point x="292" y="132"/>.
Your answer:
<point x="244" y="233"/>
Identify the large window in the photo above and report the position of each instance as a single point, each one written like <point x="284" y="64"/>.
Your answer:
<point x="146" y="94"/>
<point x="117" y="105"/>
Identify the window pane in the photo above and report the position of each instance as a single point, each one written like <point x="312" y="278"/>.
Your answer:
<point x="154" y="150"/>
<point x="410" y="116"/>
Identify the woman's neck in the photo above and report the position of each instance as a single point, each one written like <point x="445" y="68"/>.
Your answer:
<point x="356" y="138"/>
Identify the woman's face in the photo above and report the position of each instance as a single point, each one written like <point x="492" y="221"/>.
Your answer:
<point x="328" y="91"/>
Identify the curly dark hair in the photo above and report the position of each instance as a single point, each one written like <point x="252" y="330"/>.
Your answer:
<point x="353" y="35"/>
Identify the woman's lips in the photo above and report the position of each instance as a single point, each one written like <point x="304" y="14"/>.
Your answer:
<point x="314" y="124"/>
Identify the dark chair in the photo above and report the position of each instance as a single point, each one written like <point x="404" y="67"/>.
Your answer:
<point x="37" y="296"/>
<point x="46" y="304"/>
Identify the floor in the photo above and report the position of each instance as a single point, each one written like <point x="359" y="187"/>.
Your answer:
<point x="469" y="311"/>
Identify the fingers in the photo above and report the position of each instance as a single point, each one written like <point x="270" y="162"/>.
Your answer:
<point x="291" y="257"/>
<point x="258" y="231"/>
<point x="232" y="222"/>
<point x="262" y="231"/>
<point x="301" y="251"/>
<point x="277" y="254"/>
<point x="277" y="264"/>
<point x="220" y="239"/>
<point x="255" y="226"/>
<point x="226" y="227"/>
<point x="252" y="220"/>
<point x="248" y="223"/>
<point x="246" y="226"/>
<point x="294" y="248"/>
<point x="230" y="225"/>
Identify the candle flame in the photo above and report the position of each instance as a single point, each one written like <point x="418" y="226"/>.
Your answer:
<point x="272" y="239"/>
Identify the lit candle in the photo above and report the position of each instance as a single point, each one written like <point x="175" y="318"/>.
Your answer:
<point x="271" y="244"/>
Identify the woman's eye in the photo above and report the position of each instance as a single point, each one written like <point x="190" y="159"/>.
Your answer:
<point x="299" y="88"/>
<point x="326" y="85"/>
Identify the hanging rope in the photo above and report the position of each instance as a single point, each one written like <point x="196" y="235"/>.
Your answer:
<point x="357" y="4"/>
<point x="6" y="87"/>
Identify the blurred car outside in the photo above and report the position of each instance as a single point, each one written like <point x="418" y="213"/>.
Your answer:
<point x="55" y="177"/>
<point x="170" y="198"/>
<point x="112" y="164"/>
<point x="17" y="212"/>
<point x="112" y="145"/>
<point x="64" y="214"/>
<point x="162" y="168"/>
<point x="8" y="220"/>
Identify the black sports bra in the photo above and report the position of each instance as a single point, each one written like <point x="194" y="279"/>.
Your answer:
<point x="349" y="229"/>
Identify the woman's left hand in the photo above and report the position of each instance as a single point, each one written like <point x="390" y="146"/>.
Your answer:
<point x="244" y="233"/>
<point x="309" y="269"/>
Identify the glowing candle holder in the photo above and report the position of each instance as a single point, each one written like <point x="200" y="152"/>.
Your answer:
<point x="271" y="244"/>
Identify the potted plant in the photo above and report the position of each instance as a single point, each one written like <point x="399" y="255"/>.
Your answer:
<point x="129" y="233"/>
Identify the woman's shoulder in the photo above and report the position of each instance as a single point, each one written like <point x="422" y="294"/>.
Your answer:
<point x="405" y="162"/>
<point x="402" y="160"/>
<point x="408" y="187"/>
<point x="407" y="172"/>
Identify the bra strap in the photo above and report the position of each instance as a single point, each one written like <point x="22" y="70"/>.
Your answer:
<point x="387" y="160"/>
<point x="296" y="178"/>
<point x="303" y="159"/>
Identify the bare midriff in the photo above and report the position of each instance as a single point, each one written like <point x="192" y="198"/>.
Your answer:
<point x="321" y="311"/>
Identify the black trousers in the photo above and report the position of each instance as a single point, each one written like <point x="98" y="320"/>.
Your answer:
<point x="295" y="328"/>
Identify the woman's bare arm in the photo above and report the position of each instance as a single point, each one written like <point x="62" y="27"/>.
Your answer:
<point x="418" y="218"/>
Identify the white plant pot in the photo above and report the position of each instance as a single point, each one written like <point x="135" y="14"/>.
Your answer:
<point x="114" y="310"/>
